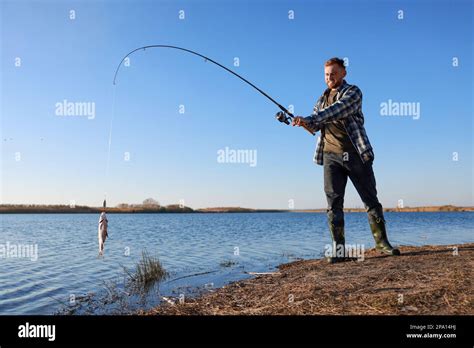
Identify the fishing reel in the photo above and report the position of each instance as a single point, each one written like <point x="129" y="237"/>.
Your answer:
<point x="282" y="117"/>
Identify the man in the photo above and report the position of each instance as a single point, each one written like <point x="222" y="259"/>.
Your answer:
<point x="345" y="152"/>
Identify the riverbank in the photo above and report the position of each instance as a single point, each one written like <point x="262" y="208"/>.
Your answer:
<point x="174" y="208"/>
<point x="82" y="209"/>
<point x="422" y="281"/>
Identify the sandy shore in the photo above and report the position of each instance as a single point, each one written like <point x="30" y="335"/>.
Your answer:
<point x="424" y="280"/>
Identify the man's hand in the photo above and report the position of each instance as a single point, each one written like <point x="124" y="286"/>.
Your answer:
<point x="299" y="121"/>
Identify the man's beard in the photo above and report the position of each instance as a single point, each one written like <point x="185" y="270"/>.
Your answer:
<point x="335" y="85"/>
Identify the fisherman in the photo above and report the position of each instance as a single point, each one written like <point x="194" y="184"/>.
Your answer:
<point x="345" y="152"/>
<point x="103" y="224"/>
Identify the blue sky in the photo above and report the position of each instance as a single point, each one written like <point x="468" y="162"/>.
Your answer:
<point x="54" y="159"/>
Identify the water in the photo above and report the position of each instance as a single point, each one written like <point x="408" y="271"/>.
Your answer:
<point x="186" y="244"/>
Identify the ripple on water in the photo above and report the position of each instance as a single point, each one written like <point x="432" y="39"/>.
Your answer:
<point x="186" y="244"/>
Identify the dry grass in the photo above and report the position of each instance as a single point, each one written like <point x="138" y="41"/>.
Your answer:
<point x="118" y="298"/>
<point x="424" y="280"/>
<point x="148" y="272"/>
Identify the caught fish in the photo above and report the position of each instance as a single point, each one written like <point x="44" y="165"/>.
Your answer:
<point x="103" y="224"/>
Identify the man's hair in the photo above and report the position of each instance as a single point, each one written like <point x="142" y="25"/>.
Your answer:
<point x="335" y="60"/>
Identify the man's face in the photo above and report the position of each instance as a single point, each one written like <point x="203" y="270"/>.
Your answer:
<point x="334" y="75"/>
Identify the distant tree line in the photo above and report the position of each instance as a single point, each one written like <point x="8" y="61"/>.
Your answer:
<point x="147" y="203"/>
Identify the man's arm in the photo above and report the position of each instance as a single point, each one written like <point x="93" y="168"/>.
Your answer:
<point x="313" y="127"/>
<point x="349" y="103"/>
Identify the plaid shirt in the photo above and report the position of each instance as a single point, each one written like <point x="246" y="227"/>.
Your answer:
<point x="348" y="109"/>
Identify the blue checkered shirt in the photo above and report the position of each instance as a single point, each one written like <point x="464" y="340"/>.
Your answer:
<point x="348" y="109"/>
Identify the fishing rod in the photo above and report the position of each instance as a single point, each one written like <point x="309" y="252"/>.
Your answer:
<point x="283" y="116"/>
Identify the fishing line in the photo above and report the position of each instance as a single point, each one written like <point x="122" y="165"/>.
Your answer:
<point x="107" y="166"/>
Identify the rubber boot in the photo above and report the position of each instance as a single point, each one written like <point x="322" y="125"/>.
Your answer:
<point x="337" y="234"/>
<point x="377" y="226"/>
